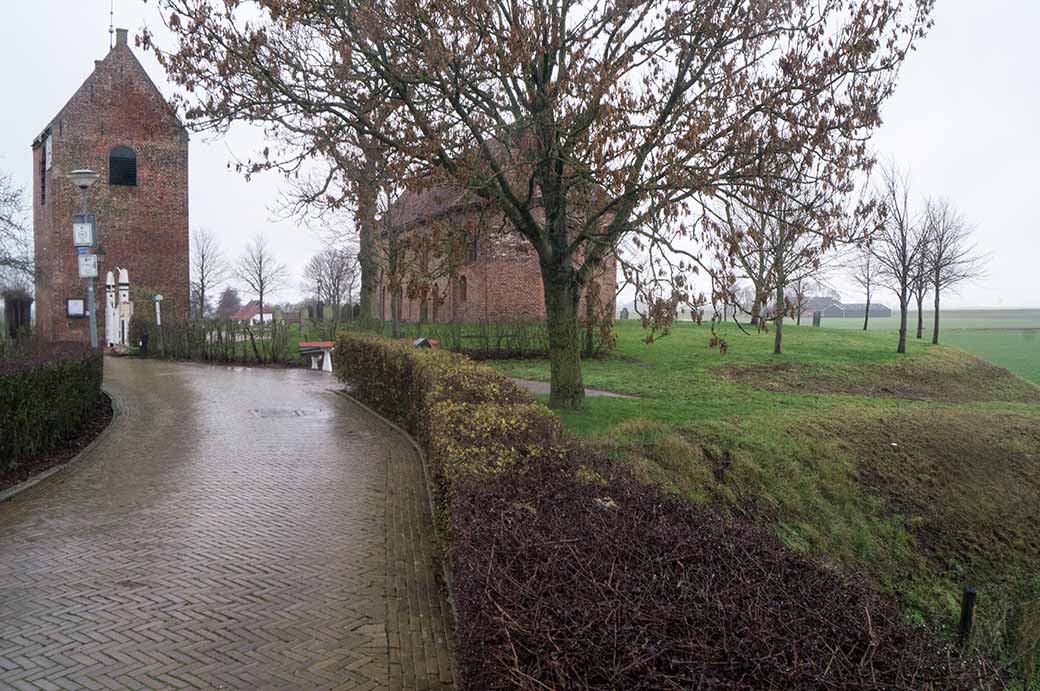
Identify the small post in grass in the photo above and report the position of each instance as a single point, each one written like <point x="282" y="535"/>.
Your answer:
<point x="967" y="615"/>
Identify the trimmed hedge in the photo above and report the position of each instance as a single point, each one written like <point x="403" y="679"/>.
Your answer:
<point x="563" y="580"/>
<point x="468" y="418"/>
<point x="46" y="395"/>
<point x="571" y="574"/>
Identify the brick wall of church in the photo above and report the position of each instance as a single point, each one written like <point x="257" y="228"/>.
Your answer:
<point x="142" y="228"/>
<point x="504" y="284"/>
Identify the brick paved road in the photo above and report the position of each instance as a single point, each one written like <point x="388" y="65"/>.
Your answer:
<point x="229" y="531"/>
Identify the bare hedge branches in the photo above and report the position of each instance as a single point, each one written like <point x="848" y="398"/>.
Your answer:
<point x="566" y="582"/>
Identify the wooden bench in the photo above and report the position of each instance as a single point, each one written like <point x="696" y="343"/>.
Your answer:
<point x="316" y="350"/>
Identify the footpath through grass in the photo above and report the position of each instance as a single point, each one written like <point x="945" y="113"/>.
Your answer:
<point x="921" y="472"/>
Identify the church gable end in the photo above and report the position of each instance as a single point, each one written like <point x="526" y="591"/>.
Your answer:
<point x="119" y="125"/>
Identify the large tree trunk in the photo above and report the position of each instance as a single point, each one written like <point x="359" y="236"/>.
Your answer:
<point x="903" y="301"/>
<point x="590" y="322"/>
<point x="756" y="309"/>
<point x="561" y="320"/>
<point x="935" y="322"/>
<point x="366" y="222"/>
<point x="778" y="337"/>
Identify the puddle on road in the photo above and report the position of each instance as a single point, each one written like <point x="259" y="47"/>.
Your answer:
<point x="274" y="413"/>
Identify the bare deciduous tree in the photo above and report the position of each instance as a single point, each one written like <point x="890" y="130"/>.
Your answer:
<point x="952" y="258"/>
<point x="578" y="122"/>
<point x="208" y="269"/>
<point x="259" y="270"/>
<point x="898" y="246"/>
<point x="865" y="274"/>
<point x="332" y="276"/>
<point x="783" y="245"/>
<point x="919" y="282"/>
<point x="16" y="249"/>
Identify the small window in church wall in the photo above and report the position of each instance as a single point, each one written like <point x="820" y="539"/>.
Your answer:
<point x="462" y="289"/>
<point x="122" y="167"/>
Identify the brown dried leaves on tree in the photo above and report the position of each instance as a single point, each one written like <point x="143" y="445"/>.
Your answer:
<point x="579" y="122"/>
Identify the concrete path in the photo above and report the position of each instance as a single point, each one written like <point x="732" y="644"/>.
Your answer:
<point x="229" y="531"/>
<point x="541" y="388"/>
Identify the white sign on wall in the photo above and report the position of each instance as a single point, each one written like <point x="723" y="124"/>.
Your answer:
<point x="87" y="265"/>
<point x="75" y="307"/>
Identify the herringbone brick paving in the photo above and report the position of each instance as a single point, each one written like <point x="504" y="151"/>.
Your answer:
<point x="228" y="532"/>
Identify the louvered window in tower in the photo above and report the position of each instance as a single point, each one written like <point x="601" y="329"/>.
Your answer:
<point x="122" y="167"/>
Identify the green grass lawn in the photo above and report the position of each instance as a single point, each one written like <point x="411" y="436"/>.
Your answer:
<point x="1009" y="338"/>
<point x="921" y="471"/>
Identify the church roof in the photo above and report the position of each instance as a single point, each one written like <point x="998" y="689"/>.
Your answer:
<point x="419" y="205"/>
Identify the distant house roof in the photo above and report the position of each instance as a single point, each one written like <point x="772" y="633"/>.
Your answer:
<point x="820" y="303"/>
<point x="250" y="310"/>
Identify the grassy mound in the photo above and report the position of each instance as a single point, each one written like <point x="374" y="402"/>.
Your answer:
<point x="943" y="375"/>
<point x="920" y="471"/>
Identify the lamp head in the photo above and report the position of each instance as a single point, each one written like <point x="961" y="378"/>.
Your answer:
<point x="83" y="178"/>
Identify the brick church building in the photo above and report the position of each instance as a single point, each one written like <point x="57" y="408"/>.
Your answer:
<point x="498" y="280"/>
<point x="119" y="125"/>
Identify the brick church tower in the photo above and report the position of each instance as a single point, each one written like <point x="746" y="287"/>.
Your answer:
<point x="117" y="124"/>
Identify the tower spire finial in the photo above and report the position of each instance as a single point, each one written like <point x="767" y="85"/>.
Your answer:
<point x="111" y="24"/>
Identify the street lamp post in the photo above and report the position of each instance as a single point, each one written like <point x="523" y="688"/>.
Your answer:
<point x="83" y="179"/>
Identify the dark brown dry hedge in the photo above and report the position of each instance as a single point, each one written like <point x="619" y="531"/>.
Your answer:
<point x="571" y="582"/>
<point x="45" y="395"/>
<point x="571" y="574"/>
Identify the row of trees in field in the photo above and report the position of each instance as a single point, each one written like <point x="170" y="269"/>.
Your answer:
<point x="587" y="126"/>
<point x="783" y="252"/>
<point x="916" y="252"/>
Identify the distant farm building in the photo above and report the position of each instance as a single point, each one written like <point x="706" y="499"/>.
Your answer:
<point x="830" y="307"/>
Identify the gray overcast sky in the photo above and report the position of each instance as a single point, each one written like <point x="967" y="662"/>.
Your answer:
<point x="964" y="120"/>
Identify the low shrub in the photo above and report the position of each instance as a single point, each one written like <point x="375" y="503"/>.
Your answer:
<point x="46" y="393"/>
<point x="563" y="582"/>
<point x="480" y="440"/>
<point x="468" y="418"/>
<point x="217" y="340"/>
<point x="403" y="382"/>
<point x="569" y="573"/>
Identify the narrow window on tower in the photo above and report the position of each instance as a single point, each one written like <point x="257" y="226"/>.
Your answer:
<point x="43" y="179"/>
<point x="122" y="167"/>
